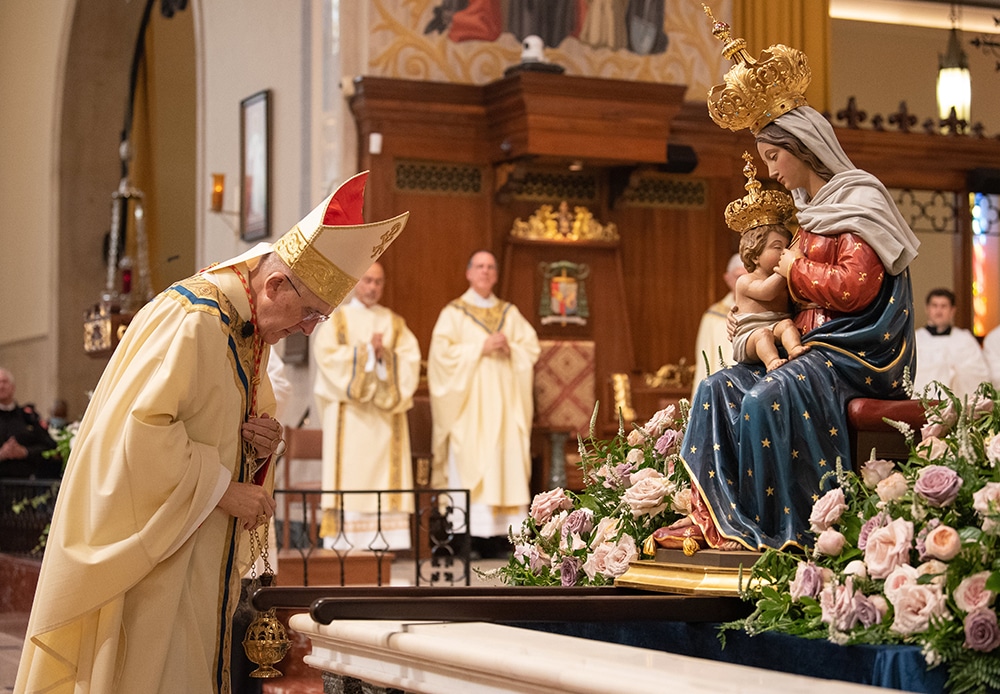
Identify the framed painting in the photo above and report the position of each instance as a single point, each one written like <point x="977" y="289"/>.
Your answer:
<point x="255" y="166"/>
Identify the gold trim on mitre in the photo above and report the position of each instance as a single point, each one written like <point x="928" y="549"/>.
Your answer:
<point x="756" y="91"/>
<point x="356" y="247"/>
<point x="758" y="207"/>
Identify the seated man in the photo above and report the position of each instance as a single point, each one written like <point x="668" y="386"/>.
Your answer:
<point x="945" y="353"/>
<point x="23" y="439"/>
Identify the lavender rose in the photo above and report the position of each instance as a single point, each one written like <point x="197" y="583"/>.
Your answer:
<point x="972" y="594"/>
<point x="808" y="581"/>
<point x="874" y="471"/>
<point x="668" y="442"/>
<point x="938" y="485"/>
<point x="879" y="520"/>
<point x="827" y="510"/>
<point x="981" y="630"/>
<point x="569" y="571"/>
<point x="915" y="605"/>
<point x="868" y="612"/>
<point x="578" y="522"/>
<point x="888" y="547"/>
<point x="547" y="503"/>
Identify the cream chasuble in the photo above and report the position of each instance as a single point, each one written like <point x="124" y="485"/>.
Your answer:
<point x="141" y="572"/>
<point x="362" y="405"/>
<point x="482" y="408"/>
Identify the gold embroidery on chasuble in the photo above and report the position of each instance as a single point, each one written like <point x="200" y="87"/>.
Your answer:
<point x="490" y="319"/>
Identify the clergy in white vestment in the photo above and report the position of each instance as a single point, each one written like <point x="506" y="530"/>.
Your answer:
<point x="480" y="372"/>
<point x="367" y="369"/>
<point x="945" y="353"/>
<point x="171" y="473"/>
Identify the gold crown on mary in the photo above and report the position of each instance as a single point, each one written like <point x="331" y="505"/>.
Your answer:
<point x="758" y="207"/>
<point x="756" y="91"/>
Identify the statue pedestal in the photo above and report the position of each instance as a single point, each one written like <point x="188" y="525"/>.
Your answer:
<point x="708" y="572"/>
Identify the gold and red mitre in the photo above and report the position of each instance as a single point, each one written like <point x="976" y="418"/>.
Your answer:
<point x="759" y="207"/>
<point x="756" y="91"/>
<point x="332" y="246"/>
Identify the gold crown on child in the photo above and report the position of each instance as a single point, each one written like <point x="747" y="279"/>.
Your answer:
<point x="758" y="207"/>
<point x="756" y="91"/>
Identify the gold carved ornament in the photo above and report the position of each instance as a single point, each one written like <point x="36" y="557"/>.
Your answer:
<point x="756" y="91"/>
<point x="758" y="208"/>
<point x="548" y="224"/>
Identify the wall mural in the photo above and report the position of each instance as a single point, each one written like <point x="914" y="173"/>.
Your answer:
<point x="474" y="41"/>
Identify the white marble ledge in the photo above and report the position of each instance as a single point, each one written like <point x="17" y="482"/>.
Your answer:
<point x="444" y="657"/>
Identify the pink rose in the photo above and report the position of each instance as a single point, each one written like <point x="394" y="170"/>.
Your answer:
<point x="939" y="421"/>
<point x="647" y="497"/>
<point x="980" y="405"/>
<point x="635" y="437"/>
<point x="891" y="488"/>
<point x="932" y="448"/>
<point x="621" y="556"/>
<point x="837" y="603"/>
<point x="986" y="503"/>
<point x="537" y="559"/>
<point x="660" y="421"/>
<point x="993" y="450"/>
<point x="606" y="531"/>
<point x="943" y="543"/>
<point x="553" y="526"/>
<point x="981" y="631"/>
<point x="808" y="581"/>
<point x="596" y="562"/>
<point x="856" y="568"/>
<point x="938" y="484"/>
<point x="888" y="547"/>
<point x="830" y="542"/>
<point x="645" y="474"/>
<point x="547" y="503"/>
<point x="827" y="510"/>
<point x="915" y="605"/>
<point x="681" y="501"/>
<point x="874" y="471"/>
<point x="902" y="575"/>
<point x="972" y="594"/>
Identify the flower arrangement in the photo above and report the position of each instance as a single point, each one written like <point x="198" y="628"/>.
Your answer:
<point x="905" y="552"/>
<point x="634" y="484"/>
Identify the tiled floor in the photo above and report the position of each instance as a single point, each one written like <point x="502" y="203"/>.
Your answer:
<point x="13" y="624"/>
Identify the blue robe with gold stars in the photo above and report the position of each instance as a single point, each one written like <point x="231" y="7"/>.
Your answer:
<point x="759" y="444"/>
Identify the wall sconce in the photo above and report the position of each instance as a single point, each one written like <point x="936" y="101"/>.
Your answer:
<point x="218" y="190"/>
<point x="954" y="83"/>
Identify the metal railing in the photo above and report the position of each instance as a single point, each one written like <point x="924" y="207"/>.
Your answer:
<point x="439" y="537"/>
<point x="25" y="512"/>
